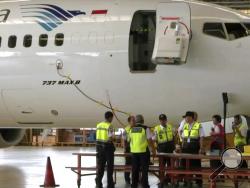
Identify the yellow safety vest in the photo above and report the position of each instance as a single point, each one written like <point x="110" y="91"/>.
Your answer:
<point x="164" y="134"/>
<point x="194" y="133"/>
<point x="239" y="141"/>
<point x="138" y="140"/>
<point x="127" y="129"/>
<point x="102" y="131"/>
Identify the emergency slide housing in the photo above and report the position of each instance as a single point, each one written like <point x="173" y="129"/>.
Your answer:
<point x="173" y="33"/>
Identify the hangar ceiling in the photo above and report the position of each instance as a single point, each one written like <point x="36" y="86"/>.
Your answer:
<point x="243" y="6"/>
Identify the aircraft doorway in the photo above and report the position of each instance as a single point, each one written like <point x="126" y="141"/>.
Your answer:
<point x="141" y="41"/>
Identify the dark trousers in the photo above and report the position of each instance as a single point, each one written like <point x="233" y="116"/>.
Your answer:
<point x="140" y="163"/>
<point x="105" y="154"/>
<point x="244" y="162"/>
<point x="214" y="164"/>
<point x="128" y="161"/>
<point x="167" y="147"/>
<point x="192" y="147"/>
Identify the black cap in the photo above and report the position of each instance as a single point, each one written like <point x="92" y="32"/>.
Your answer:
<point x="162" y="117"/>
<point x="189" y="114"/>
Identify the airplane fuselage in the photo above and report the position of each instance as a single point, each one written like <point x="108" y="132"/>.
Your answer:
<point x="95" y="53"/>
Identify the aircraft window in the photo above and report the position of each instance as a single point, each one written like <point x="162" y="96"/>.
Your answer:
<point x="59" y="39"/>
<point x="43" y="40"/>
<point x="235" y="30"/>
<point x="214" y="29"/>
<point x="141" y="41"/>
<point x="27" y="41"/>
<point x="12" y="41"/>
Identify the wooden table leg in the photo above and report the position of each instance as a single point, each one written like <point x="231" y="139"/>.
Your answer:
<point x="236" y="183"/>
<point x="172" y="161"/>
<point x="79" y="165"/>
<point x="187" y="179"/>
<point x="212" y="184"/>
<point x="161" y="169"/>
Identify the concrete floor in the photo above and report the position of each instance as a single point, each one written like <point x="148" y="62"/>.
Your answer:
<point x="24" y="167"/>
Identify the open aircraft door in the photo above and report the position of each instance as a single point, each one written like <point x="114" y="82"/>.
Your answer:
<point x="173" y="33"/>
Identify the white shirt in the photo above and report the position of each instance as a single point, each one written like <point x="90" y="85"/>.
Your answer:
<point x="181" y="126"/>
<point x="111" y="132"/>
<point x="201" y="131"/>
<point x="149" y="134"/>
<point x="216" y="129"/>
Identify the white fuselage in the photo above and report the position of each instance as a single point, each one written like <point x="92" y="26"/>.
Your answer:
<point x="95" y="51"/>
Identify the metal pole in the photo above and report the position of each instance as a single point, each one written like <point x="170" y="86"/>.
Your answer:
<point x="225" y="102"/>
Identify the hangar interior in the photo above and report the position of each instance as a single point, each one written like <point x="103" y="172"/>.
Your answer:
<point x="44" y="140"/>
<point x="138" y="62"/>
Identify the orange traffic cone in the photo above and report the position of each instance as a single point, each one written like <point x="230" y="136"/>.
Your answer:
<point x="49" y="176"/>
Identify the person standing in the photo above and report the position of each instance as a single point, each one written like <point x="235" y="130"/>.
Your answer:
<point x="180" y="129"/>
<point x="164" y="137"/>
<point x="105" y="150"/>
<point x="131" y="123"/>
<point x="217" y="136"/>
<point x="240" y="134"/>
<point x="140" y="138"/>
<point x="192" y="136"/>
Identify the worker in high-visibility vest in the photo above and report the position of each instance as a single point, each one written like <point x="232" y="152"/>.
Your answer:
<point x="240" y="134"/>
<point x="140" y="138"/>
<point x="192" y="135"/>
<point x="105" y="150"/>
<point x="180" y="129"/>
<point x="164" y="137"/>
<point x="131" y="123"/>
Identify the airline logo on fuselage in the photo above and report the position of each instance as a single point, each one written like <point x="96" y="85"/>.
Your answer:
<point x="48" y="16"/>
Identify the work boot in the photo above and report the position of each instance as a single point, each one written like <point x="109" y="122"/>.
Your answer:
<point x="98" y="184"/>
<point x="127" y="180"/>
<point x="111" y="185"/>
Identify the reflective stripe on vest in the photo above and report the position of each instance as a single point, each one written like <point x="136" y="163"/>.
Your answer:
<point x="138" y="140"/>
<point x="102" y="131"/>
<point x="239" y="141"/>
<point x="164" y="134"/>
<point x="194" y="133"/>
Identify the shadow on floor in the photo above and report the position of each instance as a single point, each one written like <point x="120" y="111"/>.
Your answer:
<point x="11" y="176"/>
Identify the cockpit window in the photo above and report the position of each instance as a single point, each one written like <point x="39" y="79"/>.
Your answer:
<point x="235" y="31"/>
<point x="214" y="29"/>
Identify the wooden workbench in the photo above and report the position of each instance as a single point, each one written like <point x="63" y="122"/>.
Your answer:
<point x="160" y="170"/>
